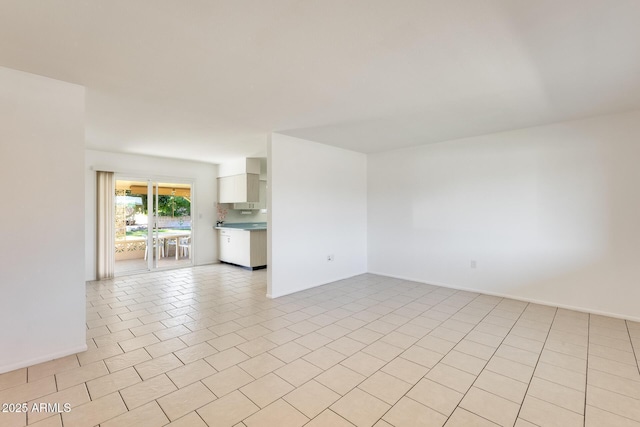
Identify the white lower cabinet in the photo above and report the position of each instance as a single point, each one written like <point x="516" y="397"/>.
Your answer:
<point x="247" y="248"/>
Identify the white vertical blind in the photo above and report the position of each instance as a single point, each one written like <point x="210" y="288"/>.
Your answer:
<point x="106" y="233"/>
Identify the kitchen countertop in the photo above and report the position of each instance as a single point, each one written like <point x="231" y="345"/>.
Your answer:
<point x="243" y="226"/>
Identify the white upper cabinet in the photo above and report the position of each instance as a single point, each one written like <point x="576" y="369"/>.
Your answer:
<point x="239" y="181"/>
<point x="241" y="188"/>
<point x="260" y="204"/>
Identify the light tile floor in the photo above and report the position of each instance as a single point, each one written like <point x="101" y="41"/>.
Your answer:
<point x="129" y="266"/>
<point x="204" y="347"/>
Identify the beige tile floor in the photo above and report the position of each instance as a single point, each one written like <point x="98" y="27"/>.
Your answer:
<point x="204" y="347"/>
<point x="128" y="266"/>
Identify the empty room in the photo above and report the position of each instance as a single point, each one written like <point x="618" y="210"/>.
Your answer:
<point x="320" y="213"/>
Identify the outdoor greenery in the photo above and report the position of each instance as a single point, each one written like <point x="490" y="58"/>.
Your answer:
<point x="174" y="206"/>
<point x="167" y="205"/>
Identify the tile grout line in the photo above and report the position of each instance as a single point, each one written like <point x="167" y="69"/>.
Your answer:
<point x="162" y="409"/>
<point x="485" y="365"/>
<point x="347" y="357"/>
<point x="123" y="401"/>
<point x="332" y="411"/>
<point x="242" y="299"/>
<point x="633" y="349"/>
<point x="615" y="413"/>
<point x="555" y="314"/>
<point x="452" y="348"/>
<point x="586" y="375"/>
<point x="89" y="391"/>
<point x="365" y="379"/>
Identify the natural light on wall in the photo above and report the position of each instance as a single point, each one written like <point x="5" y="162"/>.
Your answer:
<point x="547" y="214"/>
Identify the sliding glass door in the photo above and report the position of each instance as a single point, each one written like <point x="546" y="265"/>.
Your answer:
<point x="131" y="226"/>
<point x="172" y="228"/>
<point x="152" y="225"/>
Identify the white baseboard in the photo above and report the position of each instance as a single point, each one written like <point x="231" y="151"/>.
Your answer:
<point x="514" y="297"/>
<point x="41" y="359"/>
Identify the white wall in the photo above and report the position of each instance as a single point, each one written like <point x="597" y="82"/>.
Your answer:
<point x="42" y="291"/>
<point x="317" y="206"/>
<point x="550" y="214"/>
<point x="203" y="211"/>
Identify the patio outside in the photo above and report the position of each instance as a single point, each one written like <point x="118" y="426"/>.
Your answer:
<point x="172" y="244"/>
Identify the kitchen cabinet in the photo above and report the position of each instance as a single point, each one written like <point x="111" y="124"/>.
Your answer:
<point x="241" y="188"/>
<point x="247" y="248"/>
<point x="261" y="204"/>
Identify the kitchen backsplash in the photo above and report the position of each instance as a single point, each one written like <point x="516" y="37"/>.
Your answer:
<point x="236" y="215"/>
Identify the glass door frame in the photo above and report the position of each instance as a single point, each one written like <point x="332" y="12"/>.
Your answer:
<point x="152" y="215"/>
<point x="153" y="185"/>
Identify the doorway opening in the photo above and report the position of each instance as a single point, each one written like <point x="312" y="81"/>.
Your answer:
<point x="153" y="225"/>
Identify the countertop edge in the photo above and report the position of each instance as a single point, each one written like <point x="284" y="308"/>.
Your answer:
<point x="238" y="228"/>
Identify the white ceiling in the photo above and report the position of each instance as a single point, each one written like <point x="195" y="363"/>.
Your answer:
<point x="209" y="80"/>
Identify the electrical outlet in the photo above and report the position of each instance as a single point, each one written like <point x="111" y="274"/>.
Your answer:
<point x="474" y="264"/>
<point x="330" y="257"/>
